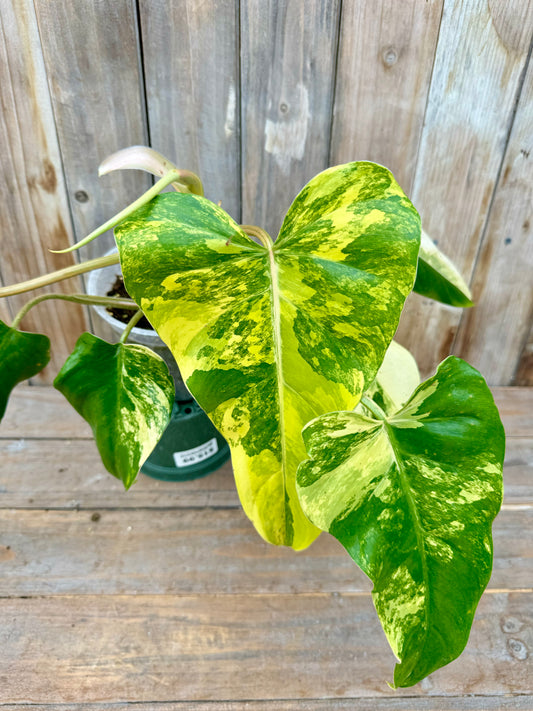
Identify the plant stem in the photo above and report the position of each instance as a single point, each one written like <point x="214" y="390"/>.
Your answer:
<point x="258" y="232"/>
<point x="170" y="177"/>
<point x="76" y="299"/>
<point x="61" y="274"/>
<point x="374" y="408"/>
<point x="131" y="323"/>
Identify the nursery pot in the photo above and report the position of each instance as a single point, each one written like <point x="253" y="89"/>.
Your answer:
<point x="191" y="446"/>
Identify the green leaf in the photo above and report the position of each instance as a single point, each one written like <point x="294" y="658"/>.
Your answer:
<point x="412" y="498"/>
<point x="395" y="381"/>
<point x="438" y="278"/>
<point x="125" y="393"/>
<point x="268" y="337"/>
<point x="22" y="355"/>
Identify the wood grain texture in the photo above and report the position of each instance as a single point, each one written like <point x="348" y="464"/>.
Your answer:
<point x="429" y="703"/>
<point x="135" y="552"/>
<point x="386" y="53"/>
<point x="516" y="411"/>
<point x="239" y="647"/>
<point x="34" y="212"/>
<point x="480" y="59"/>
<point x="288" y="54"/>
<point x="76" y="479"/>
<point x="191" y="62"/>
<point x="91" y="55"/>
<point x="524" y="371"/>
<point x="503" y="278"/>
<point x="44" y="413"/>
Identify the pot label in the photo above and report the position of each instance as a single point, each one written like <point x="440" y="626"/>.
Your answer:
<point x="197" y="454"/>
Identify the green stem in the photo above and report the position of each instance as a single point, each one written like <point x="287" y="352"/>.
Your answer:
<point x="258" y="232"/>
<point x="131" y="323"/>
<point x="76" y="299"/>
<point x="170" y="177"/>
<point x="61" y="274"/>
<point x="374" y="408"/>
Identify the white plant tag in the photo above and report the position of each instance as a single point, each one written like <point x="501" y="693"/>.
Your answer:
<point x="197" y="454"/>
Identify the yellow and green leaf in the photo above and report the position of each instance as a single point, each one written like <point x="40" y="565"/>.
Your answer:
<point x="395" y="381"/>
<point x="125" y="393"/>
<point x="22" y="355"/>
<point x="412" y="497"/>
<point x="438" y="278"/>
<point x="268" y="336"/>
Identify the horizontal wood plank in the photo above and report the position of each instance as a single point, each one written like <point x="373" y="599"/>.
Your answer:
<point x="198" y="551"/>
<point x="69" y="474"/>
<point x="167" y="648"/>
<point x="43" y="412"/>
<point x="516" y="410"/>
<point x="430" y="703"/>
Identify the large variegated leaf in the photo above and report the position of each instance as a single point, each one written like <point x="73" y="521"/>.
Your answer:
<point x="125" y="393"/>
<point x="438" y="278"/>
<point x="22" y="355"/>
<point x="395" y="380"/>
<point x="269" y="336"/>
<point x="412" y="498"/>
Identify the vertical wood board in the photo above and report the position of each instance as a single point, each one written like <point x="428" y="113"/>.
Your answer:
<point x="191" y="62"/>
<point x="524" y="372"/>
<point x="386" y="53"/>
<point x="479" y="64"/>
<point x="288" y="53"/>
<point x="92" y="62"/>
<point x="491" y="336"/>
<point x="33" y="206"/>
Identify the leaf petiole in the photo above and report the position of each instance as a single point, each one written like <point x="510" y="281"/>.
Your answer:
<point x="59" y="275"/>
<point x="76" y="299"/>
<point x="374" y="408"/>
<point x="170" y="177"/>
<point x="131" y="323"/>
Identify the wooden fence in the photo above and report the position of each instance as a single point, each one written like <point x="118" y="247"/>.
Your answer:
<point x="259" y="95"/>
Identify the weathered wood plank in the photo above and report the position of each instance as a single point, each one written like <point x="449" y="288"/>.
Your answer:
<point x="491" y="335"/>
<point x="169" y="648"/>
<point x="198" y="551"/>
<point x="431" y="703"/>
<point x="516" y="410"/>
<point x="386" y="52"/>
<point x="34" y="212"/>
<point x="524" y="371"/>
<point x="288" y="62"/>
<point x="91" y="55"/>
<point x="44" y="413"/>
<point x="68" y="474"/>
<point x="481" y="54"/>
<point x="191" y="64"/>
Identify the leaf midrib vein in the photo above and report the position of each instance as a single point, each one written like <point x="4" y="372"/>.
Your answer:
<point x="415" y="515"/>
<point x="276" y="337"/>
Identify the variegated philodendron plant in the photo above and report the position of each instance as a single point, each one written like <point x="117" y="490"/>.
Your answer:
<point x="287" y="346"/>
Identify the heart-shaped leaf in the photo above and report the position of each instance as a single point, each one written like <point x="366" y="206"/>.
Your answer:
<point x="22" y="355"/>
<point x="412" y="498"/>
<point x="125" y="393"/>
<point x="438" y="278"/>
<point x="269" y="336"/>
